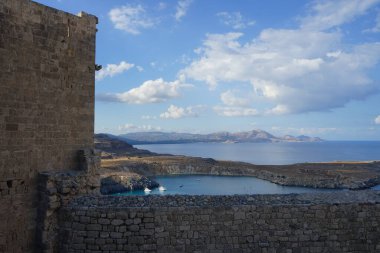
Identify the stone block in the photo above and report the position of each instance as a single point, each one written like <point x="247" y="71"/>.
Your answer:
<point x="104" y="221"/>
<point x="117" y="222"/>
<point x="134" y="228"/>
<point x="94" y="227"/>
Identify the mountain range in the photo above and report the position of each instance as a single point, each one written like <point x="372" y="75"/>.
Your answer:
<point x="222" y="137"/>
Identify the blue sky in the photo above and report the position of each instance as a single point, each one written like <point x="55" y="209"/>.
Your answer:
<point x="201" y="66"/>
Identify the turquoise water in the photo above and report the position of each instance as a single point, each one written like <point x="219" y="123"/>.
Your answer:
<point x="220" y="185"/>
<point x="275" y="153"/>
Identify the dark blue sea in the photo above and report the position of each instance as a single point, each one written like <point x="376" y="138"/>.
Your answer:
<point x="275" y="153"/>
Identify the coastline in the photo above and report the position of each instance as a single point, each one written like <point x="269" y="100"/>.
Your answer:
<point x="354" y="175"/>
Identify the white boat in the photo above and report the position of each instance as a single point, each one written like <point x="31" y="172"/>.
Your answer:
<point x="161" y="188"/>
<point x="147" y="189"/>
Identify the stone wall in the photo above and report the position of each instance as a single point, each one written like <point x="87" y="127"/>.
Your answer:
<point x="333" y="222"/>
<point x="47" y="61"/>
<point x="56" y="189"/>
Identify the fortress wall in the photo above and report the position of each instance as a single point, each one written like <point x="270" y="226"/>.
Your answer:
<point x="47" y="61"/>
<point x="333" y="222"/>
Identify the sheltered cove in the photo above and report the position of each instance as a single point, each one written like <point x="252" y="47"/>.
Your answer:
<point x="50" y="173"/>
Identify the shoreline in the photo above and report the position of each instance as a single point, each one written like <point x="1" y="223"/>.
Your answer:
<point x="353" y="175"/>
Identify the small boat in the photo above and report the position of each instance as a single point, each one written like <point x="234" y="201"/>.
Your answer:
<point x="147" y="189"/>
<point x="161" y="188"/>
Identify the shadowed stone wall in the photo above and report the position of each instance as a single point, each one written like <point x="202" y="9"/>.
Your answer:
<point x="47" y="61"/>
<point x="328" y="222"/>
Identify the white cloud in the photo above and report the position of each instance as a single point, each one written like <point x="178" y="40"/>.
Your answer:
<point x="329" y="14"/>
<point x="131" y="19"/>
<point x="376" y="28"/>
<point x="182" y="7"/>
<point x="134" y="128"/>
<point x="139" y="68"/>
<point x="228" y="111"/>
<point x="113" y="69"/>
<point x="293" y="70"/>
<point x="175" y="112"/>
<point x="229" y="98"/>
<point x="151" y="91"/>
<point x="377" y="120"/>
<point x="234" y="20"/>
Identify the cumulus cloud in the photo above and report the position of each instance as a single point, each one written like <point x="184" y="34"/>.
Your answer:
<point x="182" y="7"/>
<point x="151" y="91"/>
<point x="229" y="111"/>
<point x="113" y="69"/>
<point x="131" y="19"/>
<point x="175" y="112"/>
<point x="234" y="20"/>
<point x="294" y="70"/>
<point x="134" y="128"/>
<point x="377" y="120"/>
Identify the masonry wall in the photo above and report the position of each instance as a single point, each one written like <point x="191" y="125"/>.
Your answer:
<point x="47" y="60"/>
<point x="334" y="222"/>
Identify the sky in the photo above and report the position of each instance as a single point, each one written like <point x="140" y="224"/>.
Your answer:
<point x="201" y="66"/>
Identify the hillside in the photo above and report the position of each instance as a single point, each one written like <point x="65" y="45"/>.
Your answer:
<point x="249" y="136"/>
<point x="111" y="146"/>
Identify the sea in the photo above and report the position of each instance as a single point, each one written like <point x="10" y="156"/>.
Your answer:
<point x="275" y="153"/>
<point x="219" y="185"/>
<point x="256" y="153"/>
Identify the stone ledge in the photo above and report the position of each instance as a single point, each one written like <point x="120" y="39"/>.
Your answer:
<point x="107" y="202"/>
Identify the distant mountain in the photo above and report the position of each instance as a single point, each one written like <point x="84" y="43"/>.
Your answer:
<point x="250" y="136"/>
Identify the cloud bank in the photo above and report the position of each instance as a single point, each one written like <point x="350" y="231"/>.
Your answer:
<point x="306" y="69"/>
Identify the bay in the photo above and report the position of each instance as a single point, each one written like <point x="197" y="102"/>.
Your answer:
<point x="219" y="185"/>
<point x="275" y="153"/>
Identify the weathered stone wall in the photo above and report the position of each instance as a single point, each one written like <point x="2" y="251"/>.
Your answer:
<point x="333" y="222"/>
<point x="47" y="60"/>
<point x="56" y="189"/>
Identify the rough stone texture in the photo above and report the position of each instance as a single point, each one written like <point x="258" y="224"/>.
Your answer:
<point x="56" y="189"/>
<point x="332" y="222"/>
<point x="47" y="62"/>
<point x="117" y="182"/>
